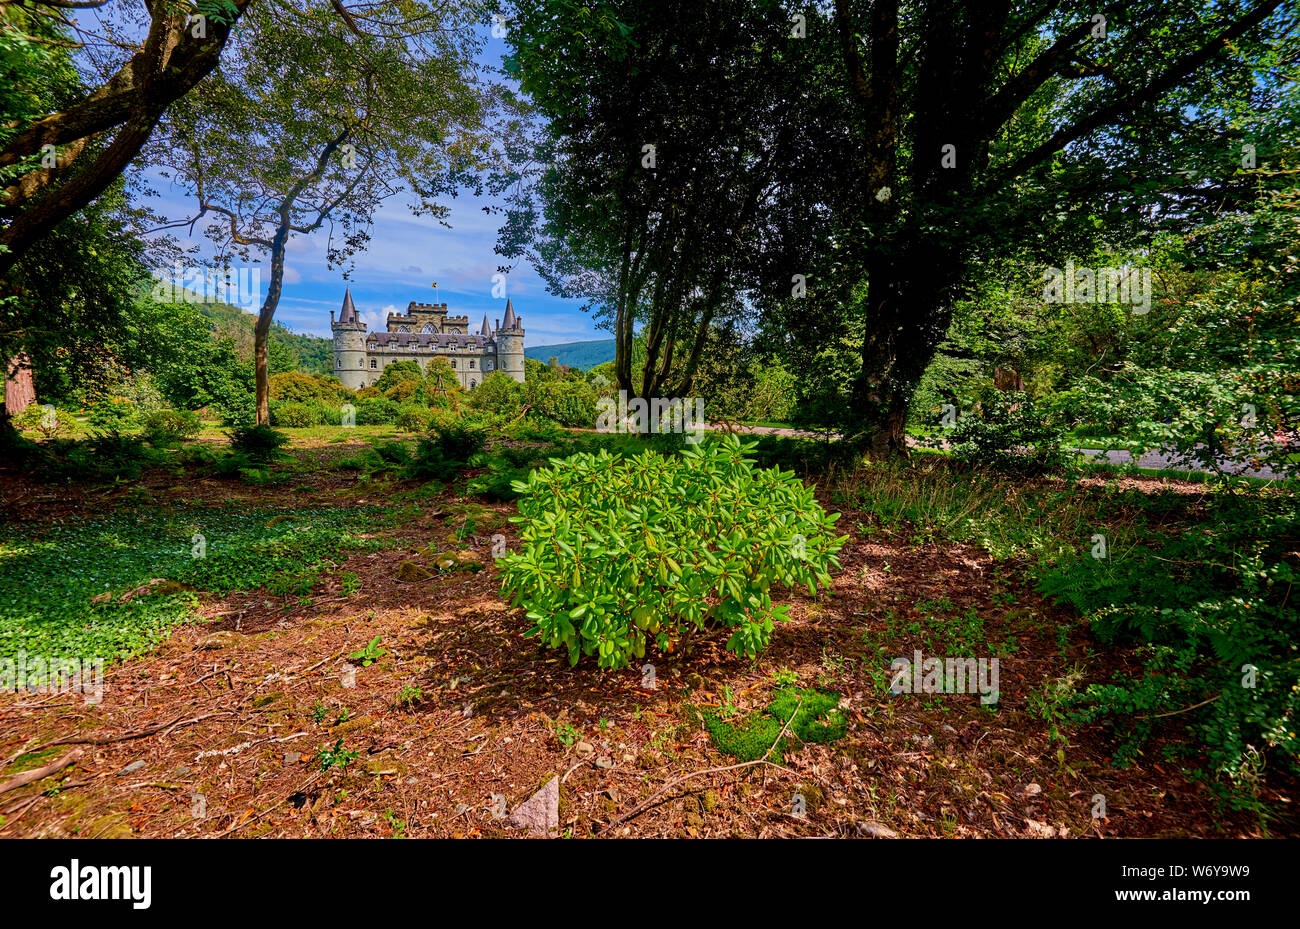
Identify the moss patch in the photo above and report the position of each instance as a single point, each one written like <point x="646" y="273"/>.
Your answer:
<point x="816" y="718"/>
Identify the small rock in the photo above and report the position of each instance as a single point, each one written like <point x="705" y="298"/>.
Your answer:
<point x="540" y="813"/>
<point x="604" y="762"/>
<point x="292" y="757"/>
<point x="412" y="571"/>
<point x="182" y="770"/>
<point x="877" y="830"/>
<point x="1032" y="790"/>
<point x="584" y="749"/>
<point x="132" y="767"/>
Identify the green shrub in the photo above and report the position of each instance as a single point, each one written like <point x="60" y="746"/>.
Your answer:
<point x="431" y="462"/>
<point x="377" y="411"/>
<point x="111" y="416"/>
<point x="49" y="424"/>
<point x="460" y="439"/>
<point x="294" y="415"/>
<point x="499" y="393"/>
<point x="620" y="552"/>
<point x="1009" y="435"/>
<point x="569" y="403"/>
<point x="414" y="419"/>
<point x="259" y="443"/>
<point x="170" y="427"/>
<point x="111" y="457"/>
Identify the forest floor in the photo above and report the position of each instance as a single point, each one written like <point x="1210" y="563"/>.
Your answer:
<point x="225" y="727"/>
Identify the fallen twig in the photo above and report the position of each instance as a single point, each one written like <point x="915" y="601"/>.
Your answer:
<point x="36" y="774"/>
<point x="137" y="734"/>
<point x="649" y="801"/>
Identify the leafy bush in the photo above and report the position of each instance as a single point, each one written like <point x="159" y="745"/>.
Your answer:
<point x="396" y="372"/>
<point x="569" y="403"/>
<point x="258" y="443"/>
<point x="169" y="427"/>
<point x="48" y="423"/>
<point x="1009" y="435"/>
<point x="619" y="552"/>
<point x="294" y="415"/>
<point x="238" y="409"/>
<point x="499" y="393"/>
<point x="111" y="416"/>
<point x="413" y="419"/>
<point x="446" y="450"/>
<point x="297" y="387"/>
<point x="110" y="457"/>
<point x="460" y="439"/>
<point x="377" y="411"/>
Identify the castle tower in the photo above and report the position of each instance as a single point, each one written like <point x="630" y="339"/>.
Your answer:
<point x="349" y="345"/>
<point x="510" y="344"/>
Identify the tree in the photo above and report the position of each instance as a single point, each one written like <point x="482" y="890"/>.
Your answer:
<point x="397" y="372"/>
<point x="666" y="128"/>
<point x="65" y="140"/>
<point x="70" y="297"/>
<point x="313" y="121"/>
<point x="976" y="120"/>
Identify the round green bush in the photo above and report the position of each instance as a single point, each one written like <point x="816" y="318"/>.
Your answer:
<point x="293" y="415"/>
<point x="414" y="419"/>
<point x="111" y="416"/>
<point x="377" y="411"/>
<point x="168" y="427"/>
<point x="620" y="553"/>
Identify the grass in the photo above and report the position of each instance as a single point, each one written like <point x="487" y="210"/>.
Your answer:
<point x="47" y="582"/>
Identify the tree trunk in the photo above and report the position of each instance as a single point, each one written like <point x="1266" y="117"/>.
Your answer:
<point x="910" y="292"/>
<point x="262" y="331"/>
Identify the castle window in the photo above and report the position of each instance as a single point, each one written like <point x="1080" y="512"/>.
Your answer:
<point x="339" y="364"/>
<point x="473" y="384"/>
<point x="471" y="362"/>
<point x="373" y="363"/>
<point x="429" y="328"/>
<point x="361" y="362"/>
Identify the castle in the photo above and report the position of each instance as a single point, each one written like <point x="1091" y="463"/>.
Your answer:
<point x="423" y="333"/>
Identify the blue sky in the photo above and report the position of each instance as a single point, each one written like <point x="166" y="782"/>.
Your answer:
<point x="407" y="254"/>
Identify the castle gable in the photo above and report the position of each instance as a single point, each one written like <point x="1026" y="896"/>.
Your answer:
<point x="428" y="318"/>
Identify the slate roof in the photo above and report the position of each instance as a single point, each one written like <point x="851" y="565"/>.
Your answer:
<point x="430" y="340"/>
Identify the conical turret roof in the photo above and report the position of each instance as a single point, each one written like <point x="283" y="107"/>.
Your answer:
<point x="486" y="330"/>
<point x="509" y="321"/>
<point x="349" y="312"/>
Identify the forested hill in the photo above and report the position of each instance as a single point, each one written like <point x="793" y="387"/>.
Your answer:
<point x="584" y="355"/>
<point x="314" y="354"/>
